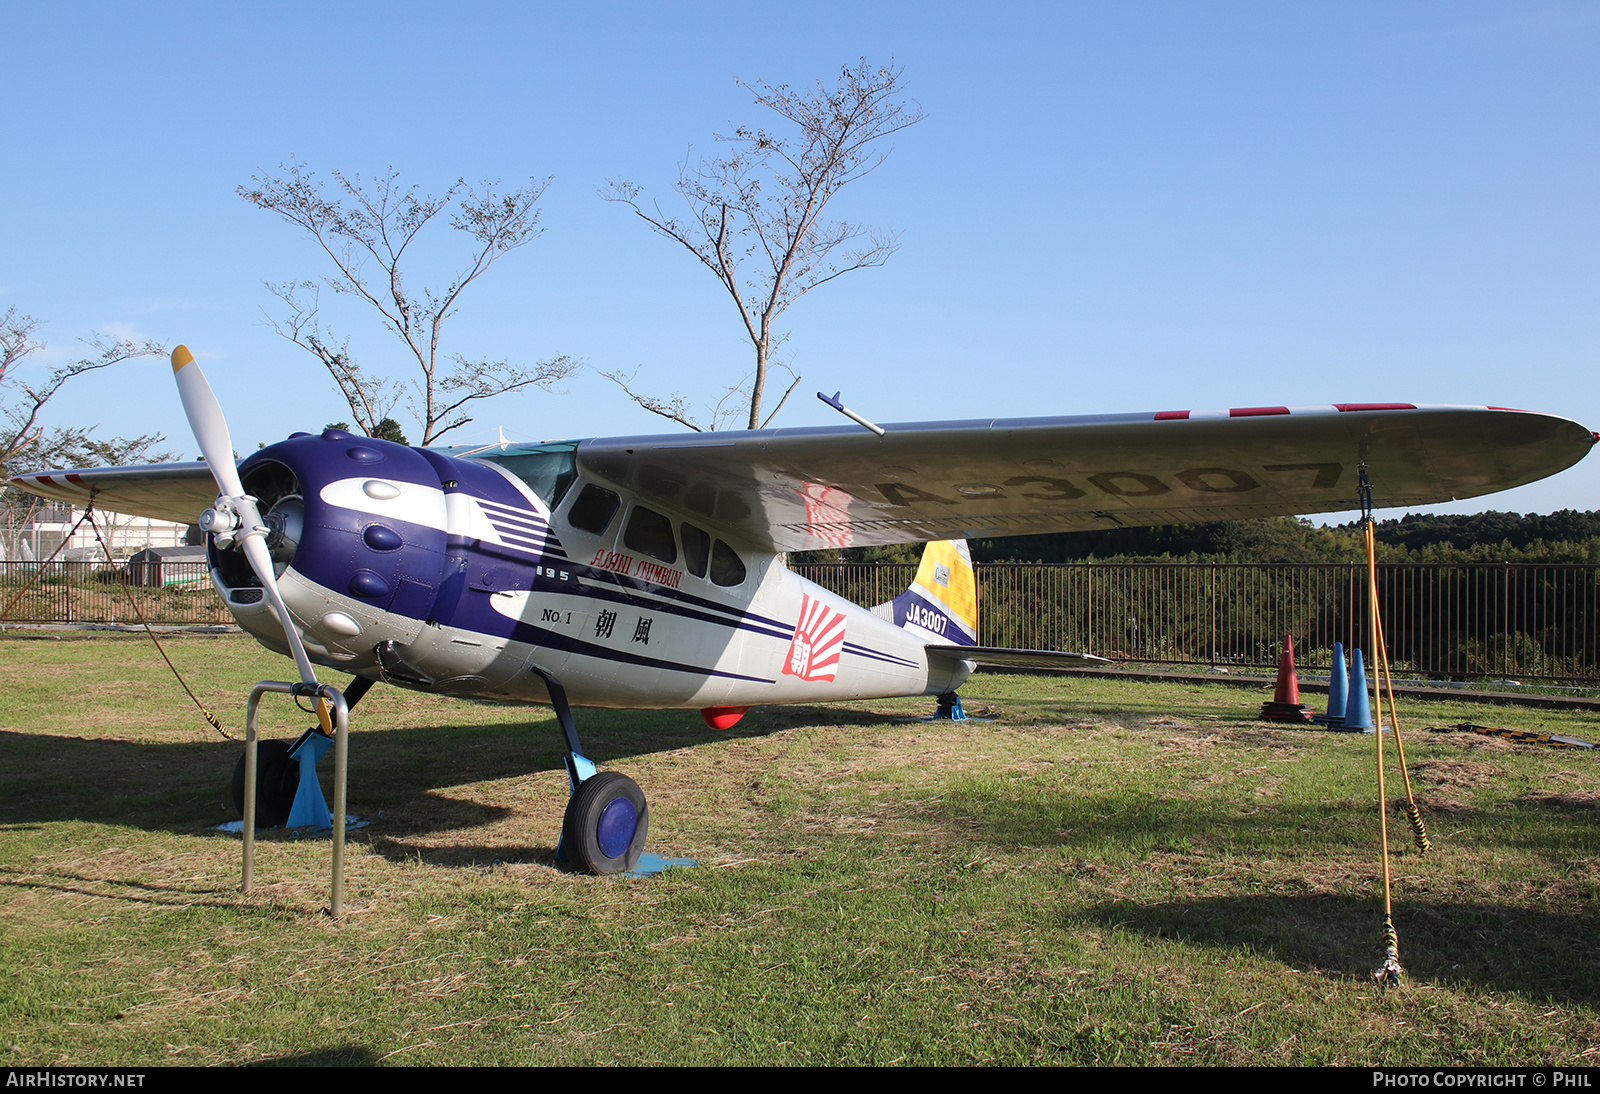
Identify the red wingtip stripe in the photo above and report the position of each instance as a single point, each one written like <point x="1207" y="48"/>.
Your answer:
<point x="1511" y="409"/>
<point x="1256" y="411"/>
<point x="1171" y="415"/>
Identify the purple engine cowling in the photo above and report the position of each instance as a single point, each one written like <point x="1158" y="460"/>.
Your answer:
<point x="360" y="517"/>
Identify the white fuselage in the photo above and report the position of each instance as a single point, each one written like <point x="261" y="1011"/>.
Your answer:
<point x="615" y="627"/>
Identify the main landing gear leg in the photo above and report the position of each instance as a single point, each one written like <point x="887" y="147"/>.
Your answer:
<point x="607" y="817"/>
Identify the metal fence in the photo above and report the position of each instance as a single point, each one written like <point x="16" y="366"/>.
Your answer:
<point x="1497" y="620"/>
<point x="1528" y="621"/>
<point x="94" y="592"/>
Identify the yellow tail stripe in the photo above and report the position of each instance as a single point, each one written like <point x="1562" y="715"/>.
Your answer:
<point x="959" y="592"/>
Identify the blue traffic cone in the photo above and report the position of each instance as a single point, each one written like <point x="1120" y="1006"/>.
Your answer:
<point x="1338" y="689"/>
<point x="1357" y="708"/>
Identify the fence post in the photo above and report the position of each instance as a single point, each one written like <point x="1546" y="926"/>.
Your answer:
<point x="1505" y="621"/>
<point x="1088" y="585"/>
<point x="1211" y="614"/>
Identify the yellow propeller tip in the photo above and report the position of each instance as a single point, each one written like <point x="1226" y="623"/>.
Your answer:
<point x="180" y="357"/>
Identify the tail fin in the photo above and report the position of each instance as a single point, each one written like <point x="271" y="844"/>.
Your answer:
<point x="942" y="602"/>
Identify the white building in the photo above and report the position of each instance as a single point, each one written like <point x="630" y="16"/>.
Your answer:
<point x="124" y="535"/>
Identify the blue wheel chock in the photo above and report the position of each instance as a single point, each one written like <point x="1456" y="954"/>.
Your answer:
<point x="310" y="807"/>
<point x="948" y="710"/>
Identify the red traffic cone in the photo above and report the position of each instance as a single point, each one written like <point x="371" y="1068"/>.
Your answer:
<point x="1285" y="705"/>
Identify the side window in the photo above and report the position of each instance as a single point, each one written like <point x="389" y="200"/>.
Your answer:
<point x="696" y="549"/>
<point x="727" y="568"/>
<point x="650" y="533"/>
<point x="594" y="509"/>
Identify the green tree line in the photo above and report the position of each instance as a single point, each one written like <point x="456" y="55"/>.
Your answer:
<point x="1567" y="536"/>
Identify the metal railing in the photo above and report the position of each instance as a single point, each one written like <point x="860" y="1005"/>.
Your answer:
<point x="98" y="592"/>
<point x="1453" y="621"/>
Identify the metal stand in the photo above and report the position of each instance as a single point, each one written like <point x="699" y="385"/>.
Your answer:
<point x="341" y="755"/>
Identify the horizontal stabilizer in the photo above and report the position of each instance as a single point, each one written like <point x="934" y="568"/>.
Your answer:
<point x="1002" y="658"/>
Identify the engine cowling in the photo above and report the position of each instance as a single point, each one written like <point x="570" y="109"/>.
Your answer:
<point x="357" y="537"/>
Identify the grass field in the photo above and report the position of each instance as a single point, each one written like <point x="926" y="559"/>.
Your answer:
<point x="1107" y="873"/>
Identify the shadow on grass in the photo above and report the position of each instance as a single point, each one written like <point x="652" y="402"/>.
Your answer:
<point x="1020" y="814"/>
<point x="459" y="855"/>
<point x="50" y="778"/>
<point x="191" y="895"/>
<point x="1532" y="951"/>
<point x="331" y="1056"/>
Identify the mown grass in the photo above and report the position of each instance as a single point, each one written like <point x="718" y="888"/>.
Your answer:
<point x="1107" y="873"/>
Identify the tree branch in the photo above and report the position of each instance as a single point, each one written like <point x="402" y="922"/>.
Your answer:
<point x="376" y="222"/>
<point x="675" y="409"/>
<point x="756" y="213"/>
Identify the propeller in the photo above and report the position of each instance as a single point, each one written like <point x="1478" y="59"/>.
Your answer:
<point x="235" y="519"/>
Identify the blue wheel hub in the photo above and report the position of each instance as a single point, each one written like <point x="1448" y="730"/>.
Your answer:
<point x="618" y="822"/>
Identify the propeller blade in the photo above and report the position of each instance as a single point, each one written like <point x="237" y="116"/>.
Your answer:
<point x="255" y="549"/>
<point x="210" y="428"/>
<point x="241" y="519"/>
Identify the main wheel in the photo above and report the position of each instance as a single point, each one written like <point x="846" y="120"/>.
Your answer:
<point x="605" y="826"/>
<point x="277" y="779"/>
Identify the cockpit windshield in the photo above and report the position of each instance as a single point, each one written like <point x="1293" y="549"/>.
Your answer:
<point x="548" y="469"/>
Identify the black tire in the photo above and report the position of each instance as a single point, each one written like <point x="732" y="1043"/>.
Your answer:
<point x="277" y="779"/>
<point x="606" y="824"/>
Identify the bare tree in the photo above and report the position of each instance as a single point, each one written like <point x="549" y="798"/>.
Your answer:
<point x="755" y="215"/>
<point x="25" y="444"/>
<point x="366" y="228"/>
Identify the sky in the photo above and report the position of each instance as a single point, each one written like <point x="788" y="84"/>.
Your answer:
<point x="1109" y="206"/>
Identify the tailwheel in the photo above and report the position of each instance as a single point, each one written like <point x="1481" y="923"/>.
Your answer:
<point x="607" y="819"/>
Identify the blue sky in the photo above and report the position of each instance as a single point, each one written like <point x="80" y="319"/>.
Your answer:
<point x="1110" y="206"/>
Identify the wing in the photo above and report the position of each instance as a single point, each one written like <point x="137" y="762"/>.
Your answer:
<point x="804" y="489"/>
<point x="164" y="491"/>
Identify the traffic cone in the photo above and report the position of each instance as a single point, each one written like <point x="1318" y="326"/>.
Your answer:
<point x="1338" y="689"/>
<point x="1285" y="704"/>
<point x="1357" y="707"/>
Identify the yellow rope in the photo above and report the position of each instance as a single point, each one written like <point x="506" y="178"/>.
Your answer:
<point x="1521" y="736"/>
<point x="1389" y="974"/>
<point x="1385" y="680"/>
